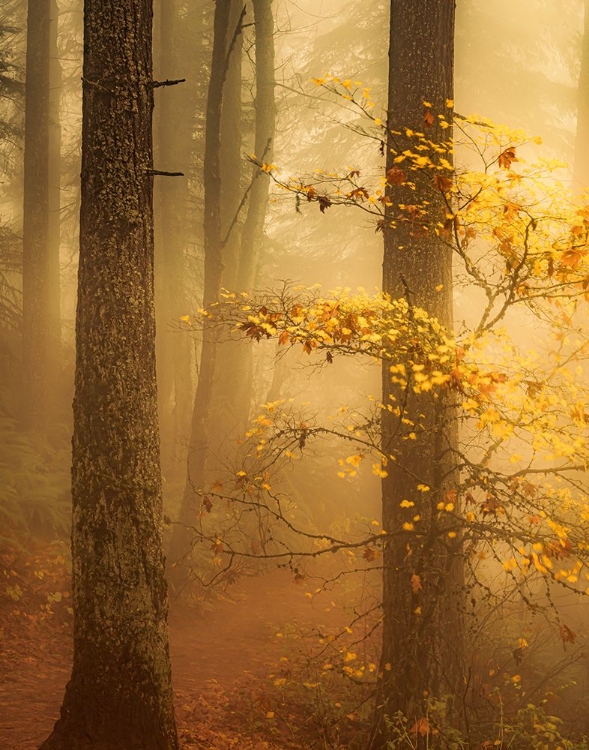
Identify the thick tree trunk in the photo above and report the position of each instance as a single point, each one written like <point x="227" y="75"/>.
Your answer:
<point x="36" y="217"/>
<point x="227" y="30"/>
<point x="119" y="696"/>
<point x="422" y="629"/>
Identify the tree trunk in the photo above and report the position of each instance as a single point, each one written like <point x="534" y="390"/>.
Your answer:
<point x="175" y="130"/>
<point x="36" y="217"/>
<point x="581" y="164"/>
<point x="422" y="628"/>
<point x="227" y="30"/>
<point x="233" y="386"/>
<point x="119" y="696"/>
<point x="53" y="285"/>
<point x="240" y="390"/>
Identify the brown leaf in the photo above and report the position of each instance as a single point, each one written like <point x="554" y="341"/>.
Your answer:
<point x="450" y="496"/>
<point x="207" y="504"/>
<point x="571" y="258"/>
<point x="395" y="176"/>
<point x="566" y="634"/>
<point x="369" y="554"/>
<point x="491" y="505"/>
<point x="360" y="194"/>
<point x="441" y="183"/>
<point x="506" y="157"/>
<point x="428" y="118"/>
<point x="324" y="203"/>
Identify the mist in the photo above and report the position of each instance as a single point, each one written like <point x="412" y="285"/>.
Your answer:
<point x="314" y="276"/>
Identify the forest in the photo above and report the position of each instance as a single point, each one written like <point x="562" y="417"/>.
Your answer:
<point x="294" y="375"/>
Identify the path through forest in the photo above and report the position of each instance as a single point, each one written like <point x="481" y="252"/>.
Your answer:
<point x="222" y="661"/>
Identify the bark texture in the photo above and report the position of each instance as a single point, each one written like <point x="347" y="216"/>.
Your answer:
<point x="119" y="696"/>
<point x="422" y="627"/>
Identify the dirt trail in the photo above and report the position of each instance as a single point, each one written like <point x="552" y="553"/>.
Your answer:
<point x="233" y="641"/>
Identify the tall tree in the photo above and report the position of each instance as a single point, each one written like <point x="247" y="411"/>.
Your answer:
<point x="581" y="162"/>
<point x="52" y="282"/>
<point x="422" y="569"/>
<point x="226" y="56"/>
<point x="119" y="695"/>
<point x="36" y="347"/>
<point x="239" y="390"/>
<point x="181" y="46"/>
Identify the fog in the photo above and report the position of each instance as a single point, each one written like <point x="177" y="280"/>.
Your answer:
<point x="313" y="430"/>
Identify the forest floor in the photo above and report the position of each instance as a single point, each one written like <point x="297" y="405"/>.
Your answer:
<point x="248" y="667"/>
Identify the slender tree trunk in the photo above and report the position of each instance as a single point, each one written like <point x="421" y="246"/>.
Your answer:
<point x="36" y="216"/>
<point x="53" y="284"/>
<point x="224" y="419"/>
<point x="422" y="627"/>
<point x="581" y="164"/>
<point x="119" y="696"/>
<point x="225" y="46"/>
<point x="240" y="391"/>
<point x="175" y="128"/>
<point x="233" y="387"/>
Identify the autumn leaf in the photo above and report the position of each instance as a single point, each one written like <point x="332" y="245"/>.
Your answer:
<point x="566" y="634"/>
<point x="324" y="203"/>
<point x="395" y="176"/>
<point x="491" y="506"/>
<point x="571" y="259"/>
<point x="369" y="554"/>
<point x="428" y="118"/>
<point x="207" y="504"/>
<point x="506" y="157"/>
<point x="442" y="183"/>
<point x="359" y="194"/>
<point x="422" y="727"/>
<point x="416" y="586"/>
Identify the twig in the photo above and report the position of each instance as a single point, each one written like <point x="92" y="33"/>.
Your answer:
<point x="164" y="174"/>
